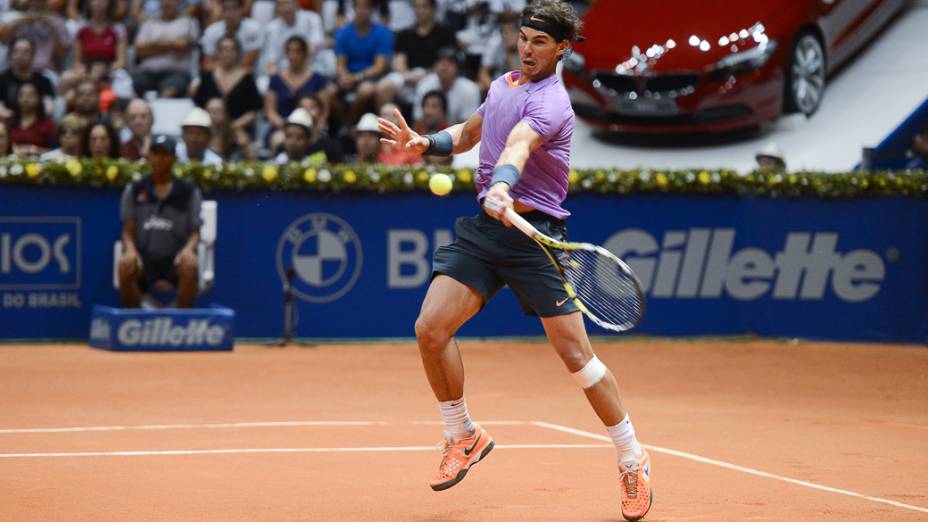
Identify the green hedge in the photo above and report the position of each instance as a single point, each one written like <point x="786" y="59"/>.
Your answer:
<point x="380" y="178"/>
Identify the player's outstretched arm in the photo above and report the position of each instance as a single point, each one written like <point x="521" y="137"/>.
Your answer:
<point x="463" y="136"/>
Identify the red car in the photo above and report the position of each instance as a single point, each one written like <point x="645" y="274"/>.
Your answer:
<point x="712" y="65"/>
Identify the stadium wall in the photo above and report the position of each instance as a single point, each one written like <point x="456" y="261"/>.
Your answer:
<point x="819" y="269"/>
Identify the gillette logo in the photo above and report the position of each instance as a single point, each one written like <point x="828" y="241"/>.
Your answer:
<point x="162" y="331"/>
<point x="700" y="263"/>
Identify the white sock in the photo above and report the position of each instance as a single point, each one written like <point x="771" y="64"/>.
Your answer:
<point x="623" y="436"/>
<point x="457" y="422"/>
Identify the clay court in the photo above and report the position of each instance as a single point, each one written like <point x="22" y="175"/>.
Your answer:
<point x="737" y="431"/>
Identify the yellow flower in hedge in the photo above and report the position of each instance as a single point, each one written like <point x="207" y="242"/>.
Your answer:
<point x="269" y="173"/>
<point x="350" y="177"/>
<point x="33" y="170"/>
<point x="661" y="179"/>
<point x="704" y="177"/>
<point x="74" y="167"/>
<point x="112" y="172"/>
<point x="422" y="176"/>
<point x="793" y="179"/>
<point x="207" y="173"/>
<point x="573" y="176"/>
<point x="464" y="175"/>
<point x="600" y="175"/>
<point x="309" y="175"/>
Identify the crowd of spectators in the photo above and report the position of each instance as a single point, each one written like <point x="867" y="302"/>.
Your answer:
<point x="280" y="80"/>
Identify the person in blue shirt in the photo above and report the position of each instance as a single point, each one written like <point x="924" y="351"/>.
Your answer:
<point x="363" y="49"/>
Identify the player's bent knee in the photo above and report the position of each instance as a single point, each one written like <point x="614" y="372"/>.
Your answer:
<point x="430" y="334"/>
<point x="590" y="374"/>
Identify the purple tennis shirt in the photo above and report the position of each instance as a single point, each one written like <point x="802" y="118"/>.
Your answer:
<point x="545" y="107"/>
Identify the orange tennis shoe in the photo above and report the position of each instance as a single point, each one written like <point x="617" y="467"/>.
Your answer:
<point x="458" y="456"/>
<point x="636" y="488"/>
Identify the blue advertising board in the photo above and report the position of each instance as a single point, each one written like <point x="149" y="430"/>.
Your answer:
<point x="138" y="330"/>
<point x="360" y="263"/>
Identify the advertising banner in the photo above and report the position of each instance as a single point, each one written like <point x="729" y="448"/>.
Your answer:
<point x="359" y="264"/>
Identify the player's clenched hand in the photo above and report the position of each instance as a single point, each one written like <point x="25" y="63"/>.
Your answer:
<point x="500" y="194"/>
<point x="400" y="135"/>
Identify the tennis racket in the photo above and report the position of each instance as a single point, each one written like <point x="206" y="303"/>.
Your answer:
<point x="602" y="285"/>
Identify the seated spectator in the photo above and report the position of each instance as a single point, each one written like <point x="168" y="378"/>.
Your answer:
<point x="771" y="159"/>
<point x="31" y="130"/>
<point x="101" y="40"/>
<point x="320" y="139"/>
<point x="367" y="140"/>
<point x="86" y="99"/>
<point x="100" y="141"/>
<point x="231" y="143"/>
<point x="246" y="32"/>
<point x="165" y="49"/>
<point x="139" y="119"/>
<point x="298" y="129"/>
<point x="69" y="139"/>
<point x="345" y="13"/>
<point x="434" y="110"/>
<point x="47" y="32"/>
<point x="291" y="22"/>
<point x="482" y="26"/>
<point x="233" y="83"/>
<point x="462" y="94"/>
<point x="196" y="131"/>
<point x="161" y="230"/>
<point x="118" y="118"/>
<point x="143" y="10"/>
<point x="389" y="154"/>
<point x="919" y="151"/>
<point x="21" y="71"/>
<point x="501" y="54"/>
<point x="6" y="147"/>
<point x="415" y="54"/>
<point x="434" y="113"/>
<point x="363" y="49"/>
<point x="287" y="87"/>
<point x="76" y="8"/>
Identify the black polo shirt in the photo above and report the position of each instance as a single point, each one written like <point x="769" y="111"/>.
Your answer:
<point x="162" y="226"/>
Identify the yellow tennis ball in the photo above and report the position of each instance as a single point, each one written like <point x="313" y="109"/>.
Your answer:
<point x="440" y="184"/>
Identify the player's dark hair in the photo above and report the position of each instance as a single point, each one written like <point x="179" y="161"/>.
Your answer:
<point x="558" y="13"/>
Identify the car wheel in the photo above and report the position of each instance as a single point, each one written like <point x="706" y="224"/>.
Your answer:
<point x="805" y="75"/>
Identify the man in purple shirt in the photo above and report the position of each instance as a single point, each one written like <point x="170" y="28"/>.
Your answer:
<point x="524" y="129"/>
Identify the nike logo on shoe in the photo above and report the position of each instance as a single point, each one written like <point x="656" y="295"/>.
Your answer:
<point x="468" y="451"/>
<point x="560" y="302"/>
<point x="534" y="19"/>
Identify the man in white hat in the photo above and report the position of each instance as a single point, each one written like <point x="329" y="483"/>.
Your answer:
<point x="196" y="131"/>
<point x="367" y="140"/>
<point x="770" y="159"/>
<point x="298" y="131"/>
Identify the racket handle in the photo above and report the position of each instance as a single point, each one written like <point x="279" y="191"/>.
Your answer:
<point x="513" y="217"/>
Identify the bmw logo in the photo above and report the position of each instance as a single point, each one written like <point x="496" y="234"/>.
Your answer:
<point x="325" y="255"/>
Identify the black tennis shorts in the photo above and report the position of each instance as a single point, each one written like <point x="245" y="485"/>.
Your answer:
<point x="486" y="255"/>
<point x="155" y="269"/>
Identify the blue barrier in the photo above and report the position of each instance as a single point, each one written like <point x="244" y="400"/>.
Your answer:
<point x="891" y="152"/>
<point x="842" y="270"/>
<point x="194" y="329"/>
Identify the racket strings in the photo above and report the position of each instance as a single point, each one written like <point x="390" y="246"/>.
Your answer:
<point x="608" y="290"/>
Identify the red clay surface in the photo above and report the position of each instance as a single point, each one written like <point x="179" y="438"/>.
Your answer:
<point x="852" y="417"/>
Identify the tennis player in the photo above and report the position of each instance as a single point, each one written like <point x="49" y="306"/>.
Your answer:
<point x="524" y="128"/>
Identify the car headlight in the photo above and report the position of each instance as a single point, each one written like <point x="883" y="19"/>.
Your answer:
<point x="743" y="62"/>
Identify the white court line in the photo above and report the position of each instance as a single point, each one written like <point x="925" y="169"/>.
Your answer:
<point x="233" y="425"/>
<point x="721" y="464"/>
<point x="383" y="449"/>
